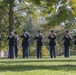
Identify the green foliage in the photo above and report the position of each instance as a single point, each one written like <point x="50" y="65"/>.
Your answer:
<point x="32" y="15"/>
<point x="32" y="50"/>
<point x="63" y="14"/>
<point x="1" y="2"/>
<point x="45" y="51"/>
<point x="31" y="27"/>
<point x="6" y="1"/>
<point x="73" y="4"/>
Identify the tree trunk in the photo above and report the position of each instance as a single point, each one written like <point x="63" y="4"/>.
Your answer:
<point x="11" y="15"/>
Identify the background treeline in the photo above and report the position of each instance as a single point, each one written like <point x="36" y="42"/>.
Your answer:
<point x="33" y="15"/>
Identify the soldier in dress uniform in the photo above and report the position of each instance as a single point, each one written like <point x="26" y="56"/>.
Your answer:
<point x="39" y="38"/>
<point x="67" y="38"/>
<point x="52" y="44"/>
<point x="11" y="44"/>
<point x="25" y="44"/>
<point x="16" y="43"/>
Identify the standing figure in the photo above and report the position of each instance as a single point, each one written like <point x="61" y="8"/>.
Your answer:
<point x="11" y="44"/>
<point x="52" y="44"/>
<point x="25" y="44"/>
<point x="39" y="38"/>
<point x="67" y="38"/>
<point x="16" y="43"/>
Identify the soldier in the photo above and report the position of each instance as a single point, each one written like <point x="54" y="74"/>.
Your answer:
<point x="52" y="43"/>
<point x="16" y="43"/>
<point x="11" y="44"/>
<point x="39" y="38"/>
<point x="67" y="38"/>
<point x="25" y="43"/>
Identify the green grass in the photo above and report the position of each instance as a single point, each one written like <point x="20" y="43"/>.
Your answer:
<point x="33" y="66"/>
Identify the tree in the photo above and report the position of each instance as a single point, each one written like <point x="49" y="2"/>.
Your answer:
<point x="11" y="14"/>
<point x="31" y="27"/>
<point x="73" y="3"/>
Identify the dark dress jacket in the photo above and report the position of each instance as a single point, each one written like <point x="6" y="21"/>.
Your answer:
<point x="11" y="40"/>
<point x="39" y="40"/>
<point x="52" y="41"/>
<point x="67" y="40"/>
<point x="25" y="41"/>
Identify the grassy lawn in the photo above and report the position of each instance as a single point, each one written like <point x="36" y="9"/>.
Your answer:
<point x="33" y="66"/>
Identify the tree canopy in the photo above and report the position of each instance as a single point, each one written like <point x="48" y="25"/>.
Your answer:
<point x="36" y="14"/>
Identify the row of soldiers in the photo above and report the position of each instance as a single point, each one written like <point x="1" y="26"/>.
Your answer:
<point x="14" y="43"/>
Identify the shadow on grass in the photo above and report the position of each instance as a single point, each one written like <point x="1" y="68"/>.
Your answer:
<point x="36" y="67"/>
<point x="40" y="60"/>
<point x="21" y="65"/>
